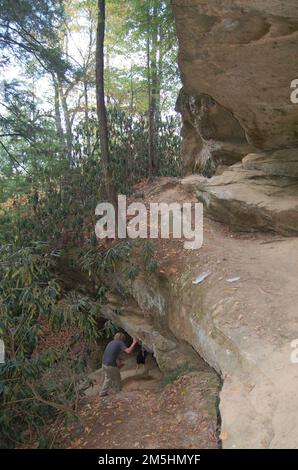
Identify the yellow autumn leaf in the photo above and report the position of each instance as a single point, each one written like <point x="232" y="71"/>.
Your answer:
<point x="223" y="436"/>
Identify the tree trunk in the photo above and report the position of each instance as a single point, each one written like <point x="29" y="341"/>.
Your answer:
<point x="131" y="100"/>
<point x="150" y="129"/>
<point x="58" y="119"/>
<point x="153" y="87"/>
<point x="160" y="71"/>
<point x="101" y="107"/>
<point x="87" y="120"/>
<point x="67" y="121"/>
<point x="86" y="82"/>
<point x="107" y="74"/>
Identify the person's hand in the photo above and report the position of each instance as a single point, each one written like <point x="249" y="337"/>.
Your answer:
<point x="134" y="341"/>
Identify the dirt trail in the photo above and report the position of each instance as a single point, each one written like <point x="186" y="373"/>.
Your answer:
<point x="146" y="414"/>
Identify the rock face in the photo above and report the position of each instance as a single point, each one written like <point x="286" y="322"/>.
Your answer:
<point x="211" y="136"/>
<point x="261" y="193"/>
<point x="145" y="318"/>
<point x="245" y="331"/>
<point x="243" y="54"/>
<point x="238" y="59"/>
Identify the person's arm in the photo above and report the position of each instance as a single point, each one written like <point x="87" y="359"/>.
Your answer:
<point x="131" y="347"/>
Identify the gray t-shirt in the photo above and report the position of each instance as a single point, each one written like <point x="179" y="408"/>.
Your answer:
<point x="112" y="352"/>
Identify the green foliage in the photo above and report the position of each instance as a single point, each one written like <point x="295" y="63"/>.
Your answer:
<point x="30" y="296"/>
<point x="147" y="253"/>
<point x="128" y="135"/>
<point x="132" y="272"/>
<point x="129" y="25"/>
<point x="30" y="153"/>
<point x="98" y="263"/>
<point x="143" y="258"/>
<point x="109" y="330"/>
<point x="129" y="149"/>
<point x="19" y="19"/>
<point x="36" y="133"/>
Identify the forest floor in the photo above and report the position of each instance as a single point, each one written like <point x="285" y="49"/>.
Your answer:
<point x="147" y="414"/>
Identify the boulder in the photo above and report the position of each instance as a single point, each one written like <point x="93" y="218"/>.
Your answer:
<point x="261" y="193"/>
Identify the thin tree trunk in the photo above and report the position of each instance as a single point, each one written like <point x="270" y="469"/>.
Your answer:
<point x="107" y="73"/>
<point x="150" y="129"/>
<point x="130" y="131"/>
<point x="67" y="121"/>
<point x="87" y="120"/>
<point x="159" y="72"/>
<point x="154" y="85"/>
<point x="153" y="88"/>
<point x="101" y="107"/>
<point x="58" y="119"/>
<point x="86" y="82"/>
<point x="131" y="101"/>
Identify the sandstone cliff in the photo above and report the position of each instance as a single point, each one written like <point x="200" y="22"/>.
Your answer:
<point x="237" y="60"/>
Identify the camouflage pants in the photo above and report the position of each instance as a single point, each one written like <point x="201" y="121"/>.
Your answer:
<point x="112" y="379"/>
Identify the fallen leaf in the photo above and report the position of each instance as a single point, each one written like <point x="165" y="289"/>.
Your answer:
<point x="223" y="436"/>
